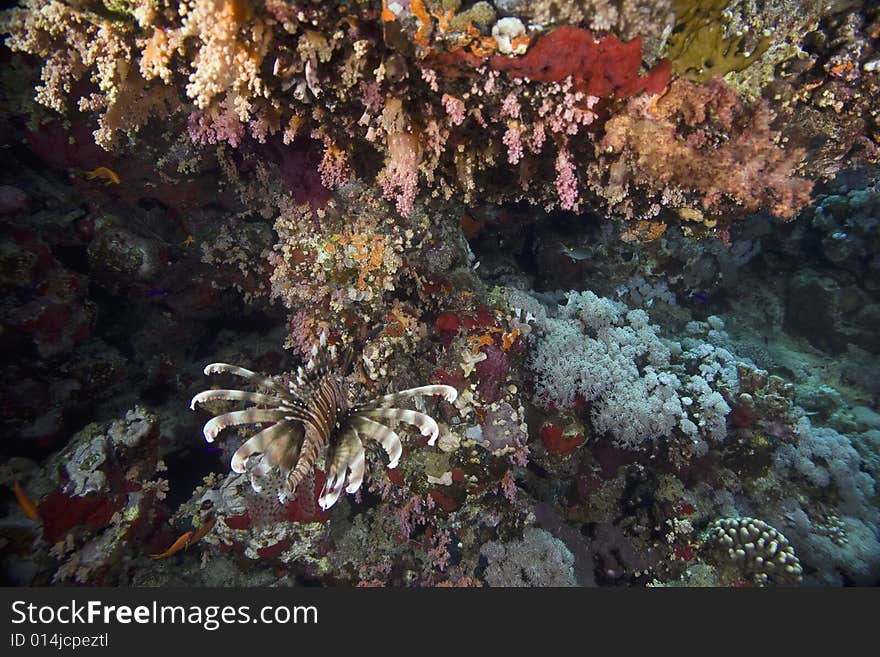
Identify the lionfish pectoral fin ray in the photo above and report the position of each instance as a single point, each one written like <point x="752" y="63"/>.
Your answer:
<point x="284" y="452"/>
<point x="356" y="475"/>
<point x="448" y="393"/>
<point x="258" y="443"/>
<point x="251" y="416"/>
<point x="425" y="423"/>
<point x="383" y="435"/>
<point x="347" y="455"/>
<point x="233" y="395"/>
<point x="339" y="460"/>
<point x="258" y="379"/>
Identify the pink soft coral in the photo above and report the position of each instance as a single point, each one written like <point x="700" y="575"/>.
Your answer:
<point x="702" y="138"/>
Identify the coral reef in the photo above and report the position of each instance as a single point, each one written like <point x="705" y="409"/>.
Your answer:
<point x="616" y="260"/>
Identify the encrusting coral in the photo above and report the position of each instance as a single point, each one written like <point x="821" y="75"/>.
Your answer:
<point x="312" y="415"/>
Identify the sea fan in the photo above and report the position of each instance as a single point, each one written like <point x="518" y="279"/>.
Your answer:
<point x="314" y="414"/>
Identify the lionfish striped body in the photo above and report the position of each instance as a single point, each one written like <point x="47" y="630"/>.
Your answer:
<point x="312" y="415"/>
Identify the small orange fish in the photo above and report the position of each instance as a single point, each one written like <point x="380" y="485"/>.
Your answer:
<point x="108" y="175"/>
<point x="180" y="544"/>
<point x="202" y="531"/>
<point x="187" y="539"/>
<point x="812" y="85"/>
<point x="27" y="505"/>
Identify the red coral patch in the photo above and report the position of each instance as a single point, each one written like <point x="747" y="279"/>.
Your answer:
<point x="272" y="551"/>
<point x="239" y="522"/>
<point x="557" y="443"/>
<point x="62" y="512"/>
<point x="599" y="67"/>
<point x="447" y="322"/>
<point x="445" y="502"/>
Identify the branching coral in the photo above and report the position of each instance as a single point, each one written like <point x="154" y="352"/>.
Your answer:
<point x="80" y="46"/>
<point x="343" y="261"/>
<point x="315" y="415"/>
<point x="233" y="45"/>
<point x="73" y="43"/>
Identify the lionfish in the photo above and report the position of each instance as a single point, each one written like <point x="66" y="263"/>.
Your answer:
<point x="314" y="414"/>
